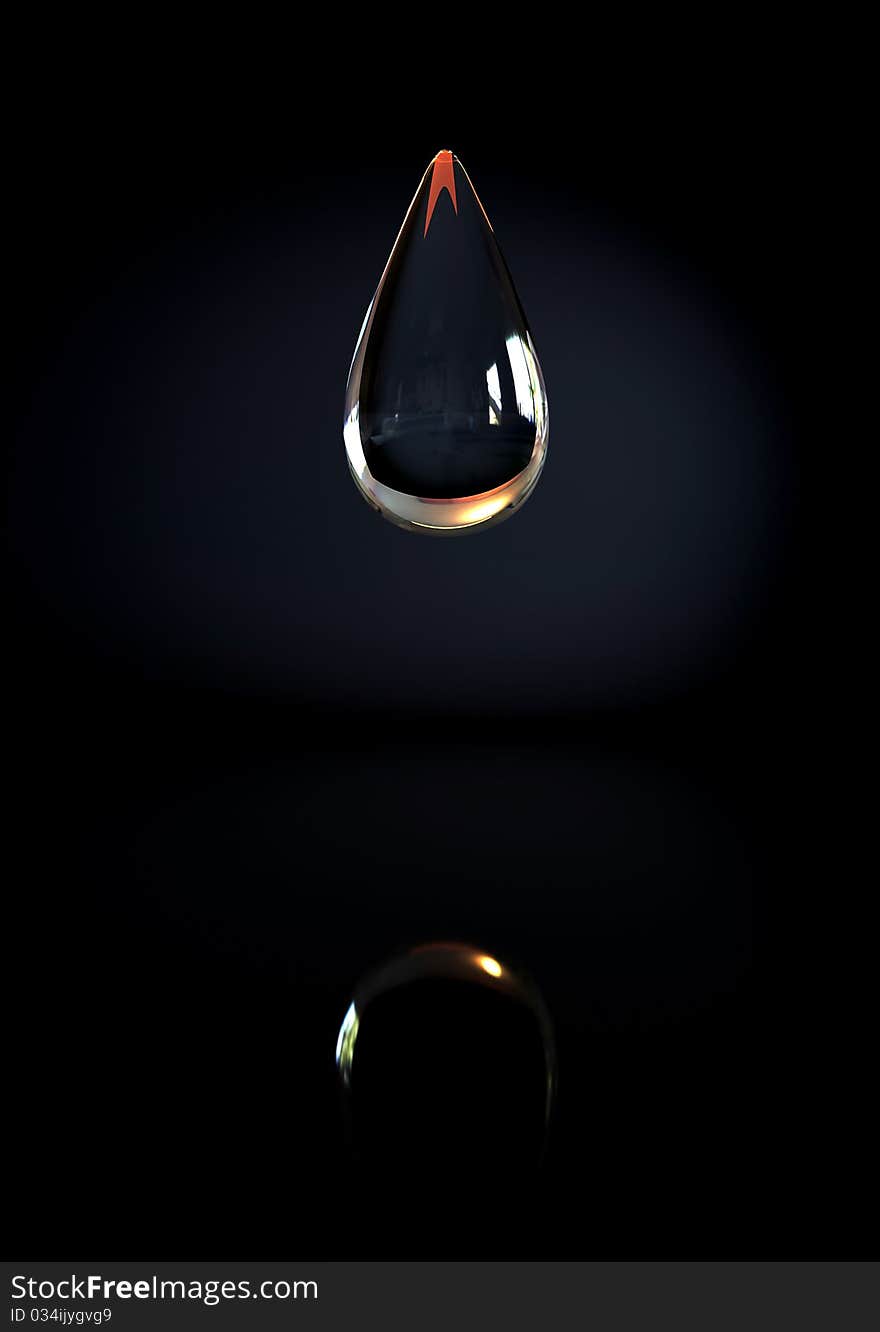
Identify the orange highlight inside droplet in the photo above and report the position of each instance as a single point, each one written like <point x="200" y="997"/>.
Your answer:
<point x="442" y="178"/>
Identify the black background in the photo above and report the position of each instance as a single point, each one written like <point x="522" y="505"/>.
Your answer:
<point x="262" y="739"/>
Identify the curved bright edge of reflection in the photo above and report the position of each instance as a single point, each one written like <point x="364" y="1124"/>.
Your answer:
<point x="345" y="1042"/>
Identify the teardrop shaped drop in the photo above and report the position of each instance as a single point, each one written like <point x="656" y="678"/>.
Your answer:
<point x="446" y="420"/>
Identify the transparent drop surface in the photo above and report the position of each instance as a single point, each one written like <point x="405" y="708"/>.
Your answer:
<point x="446" y="420"/>
<point x="446" y="1061"/>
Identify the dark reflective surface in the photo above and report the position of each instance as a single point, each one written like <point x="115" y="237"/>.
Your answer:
<point x="446" y="1060"/>
<point x="230" y="678"/>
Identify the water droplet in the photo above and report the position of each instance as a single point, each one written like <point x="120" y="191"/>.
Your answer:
<point x="446" y="1059"/>
<point x="446" y="420"/>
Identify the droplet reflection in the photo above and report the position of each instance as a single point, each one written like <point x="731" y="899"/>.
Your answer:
<point x="446" y="1059"/>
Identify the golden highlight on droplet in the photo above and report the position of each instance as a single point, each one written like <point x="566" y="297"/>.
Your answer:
<point x="490" y="966"/>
